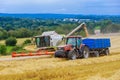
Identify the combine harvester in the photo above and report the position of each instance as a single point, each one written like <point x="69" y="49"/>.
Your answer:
<point x="75" y="47"/>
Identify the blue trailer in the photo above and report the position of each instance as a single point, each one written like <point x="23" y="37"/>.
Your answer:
<point x="98" y="45"/>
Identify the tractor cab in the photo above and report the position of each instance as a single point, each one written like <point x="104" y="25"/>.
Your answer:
<point x="75" y="41"/>
<point x="71" y="42"/>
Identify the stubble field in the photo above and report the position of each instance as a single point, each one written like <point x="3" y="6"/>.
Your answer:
<point x="101" y="68"/>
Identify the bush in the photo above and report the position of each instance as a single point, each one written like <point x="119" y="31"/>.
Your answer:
<point x="28" y="41"/>
<point x="17" y="48"/>
<point x="11" y="41"/>
<point x="3" y="50"/>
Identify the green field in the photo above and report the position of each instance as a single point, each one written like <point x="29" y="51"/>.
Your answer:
<point x="10" y="49"/>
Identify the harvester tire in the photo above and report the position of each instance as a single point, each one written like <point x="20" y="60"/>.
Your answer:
<point x="86" y="52"/>
<point x="72" y="55"/>
<point x="59" y="53"/>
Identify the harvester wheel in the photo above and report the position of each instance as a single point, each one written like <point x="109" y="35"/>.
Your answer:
<point x="59" y="53"/>
<point x="86" y="52"/>
<point x="107" y="52"/>
<point x="72" y="55"/>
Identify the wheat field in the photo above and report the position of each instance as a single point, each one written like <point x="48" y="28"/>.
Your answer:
<point x="101" y="68"/>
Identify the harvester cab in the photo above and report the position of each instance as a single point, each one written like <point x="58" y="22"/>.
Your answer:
<point x="42" y="41"/>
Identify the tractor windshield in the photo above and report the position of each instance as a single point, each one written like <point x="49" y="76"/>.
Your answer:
<point x="71" y="41"/>
<point x="74" y="41"/>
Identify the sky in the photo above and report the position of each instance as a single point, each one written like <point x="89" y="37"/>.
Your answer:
<point x="86" y="7"/>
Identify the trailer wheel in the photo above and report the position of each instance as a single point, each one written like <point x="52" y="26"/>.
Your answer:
<point x="72" y="55"/>
<point x="86" y="52"/>
<point x="96" y="54"/>
<point x="59" y="53"/>
<point x="107" y="52"/>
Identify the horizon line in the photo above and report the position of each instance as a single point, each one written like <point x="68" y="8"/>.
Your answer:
<point x="67" y="14"/>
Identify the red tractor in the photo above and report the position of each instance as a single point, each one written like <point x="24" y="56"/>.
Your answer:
<point x="73" y="49"/>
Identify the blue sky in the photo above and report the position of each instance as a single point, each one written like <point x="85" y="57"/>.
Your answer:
<point x="99" y="7"/>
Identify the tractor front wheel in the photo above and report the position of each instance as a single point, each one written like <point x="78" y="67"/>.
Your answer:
<point x="59" y="53"/>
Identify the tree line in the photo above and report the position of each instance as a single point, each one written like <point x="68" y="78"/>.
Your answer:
<point x="26" y="27"/>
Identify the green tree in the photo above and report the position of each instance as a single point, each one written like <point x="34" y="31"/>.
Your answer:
<point x="11" y="41"/>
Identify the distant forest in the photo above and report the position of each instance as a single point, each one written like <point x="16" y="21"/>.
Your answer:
<point x="113" y="18"/>
<point x="26" y="26"/>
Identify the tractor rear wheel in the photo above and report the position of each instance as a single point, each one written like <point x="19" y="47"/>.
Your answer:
<point x="72" y="55"/>
<point x="59" y="53"/>
<point x="86" y="52"/>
